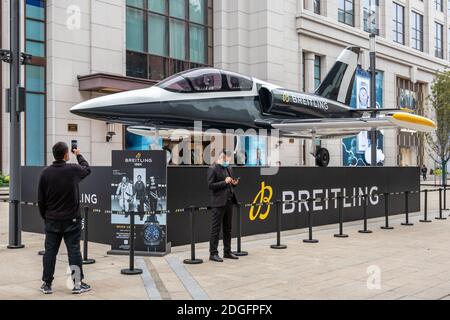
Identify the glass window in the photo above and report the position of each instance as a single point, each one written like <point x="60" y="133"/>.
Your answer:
<point x="409" y="95"/>
<point x="417" y="31"/>
<point x="156" y="67"/>
<point x="317" y="71"/>
<point x="371" y="16"/>
<point x="317" y="6"/>
<point x="35" y="30"/>
<point x="176" y="66"/>
<point x="34" y="48"/>
<point x="35" y="78"/>
<point x="157" y="40"/>
<point x="177" y="8"/>
<point x="197" y="37"/>
<point x="197" y="11"/>
<point x="178" y="31"/>
<point x="35" y="129"/>
<point x="35" y="83"/>
<point x="237" y="82"/>
<point x="157" y="6"/>
<point x="439" y="5"/>
<point x="136" y="65"/>
<point x="398" y="23"/>
<point x="203" y="80"/>
<point x="438" y="40"/>
<point x="177" y="39"/>
<point x="448" y="40"/>
<point x="135" y="30"/>
<point x="135" y="3"/>
<point x="303" y="72"/>
<point x="35" y="9"/>
<point x="346" y="12"/>
<point x="176" y="83"/>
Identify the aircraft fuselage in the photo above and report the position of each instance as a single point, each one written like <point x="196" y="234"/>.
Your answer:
<point x="220" y="112"/>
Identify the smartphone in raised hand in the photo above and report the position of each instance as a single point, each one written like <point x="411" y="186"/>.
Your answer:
<point x="74" y="145"/>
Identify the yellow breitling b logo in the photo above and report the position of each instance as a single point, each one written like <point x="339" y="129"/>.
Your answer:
<point x="138" y="156"/>
<point x="264" y="196"/>
<point x="286" y="98"/>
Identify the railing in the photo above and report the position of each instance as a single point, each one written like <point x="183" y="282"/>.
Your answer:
<point x="340" y="199"/>
<point x="192" y="210"/>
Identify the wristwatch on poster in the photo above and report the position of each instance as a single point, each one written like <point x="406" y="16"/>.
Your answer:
<point x="153" y="233"/>
<point x="363" y="98"/>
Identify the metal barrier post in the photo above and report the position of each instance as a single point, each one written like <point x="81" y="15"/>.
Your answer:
<point x="15" y="233"/>
<point x="441" y="217"/>
<point x="132" y="270"/>
<point x="425" y="209"/>
<point x="192" y="260"/>
<point x="86" y="260"/>
<point x="445" y="197"/>
<point x="407" y="223"/>
<point x="310" y="223"/>
<point x="365" y="230"/>
<point x="278" y="245"/>
<point x="386" y="213"/>
<point x="341" y="219"/>
<point x="239" y="252"/>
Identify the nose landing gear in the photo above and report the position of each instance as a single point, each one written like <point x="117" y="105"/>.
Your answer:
<point x="322" y="155"/>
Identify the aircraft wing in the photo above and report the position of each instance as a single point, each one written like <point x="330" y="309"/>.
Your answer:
<point x="334" y="128"/>
<point x="323" y="128"/>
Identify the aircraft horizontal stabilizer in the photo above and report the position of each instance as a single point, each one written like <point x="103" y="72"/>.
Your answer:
<point x="334" y="128"/>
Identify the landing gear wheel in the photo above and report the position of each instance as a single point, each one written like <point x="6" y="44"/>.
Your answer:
<point x="322" y="157"/>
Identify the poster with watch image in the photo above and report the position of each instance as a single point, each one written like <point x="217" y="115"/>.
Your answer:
<point x="357" y="150"/>
<point x="139" y="186"/>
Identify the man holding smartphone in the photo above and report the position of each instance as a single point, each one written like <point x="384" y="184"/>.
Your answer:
<point x="222" y="183"/>
<point x="59" y="206"/>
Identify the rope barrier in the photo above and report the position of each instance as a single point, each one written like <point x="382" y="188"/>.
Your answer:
<point x="193" y="209"/>
<point x="271" y="203"/>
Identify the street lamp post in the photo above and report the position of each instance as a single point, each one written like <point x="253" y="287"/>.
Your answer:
<point x="373" y="96"/>
<point x="15" y="100"/>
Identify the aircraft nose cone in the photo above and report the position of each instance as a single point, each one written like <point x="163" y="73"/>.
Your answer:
<point x="115" y="106"/>
<point x="81" y="109"/>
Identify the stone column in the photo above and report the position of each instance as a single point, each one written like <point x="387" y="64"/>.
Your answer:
<point x="408" y="24"/>
<point x="309" y="87"/>
<point x="309" y="71"/>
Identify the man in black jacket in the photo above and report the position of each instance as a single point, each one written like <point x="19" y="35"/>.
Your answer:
<point x="59" y="206"/>
<point x="139" y="189"/>
<point x="222" y="183"/>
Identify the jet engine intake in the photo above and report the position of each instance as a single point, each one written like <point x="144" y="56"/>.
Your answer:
<point x="285" y="102"/>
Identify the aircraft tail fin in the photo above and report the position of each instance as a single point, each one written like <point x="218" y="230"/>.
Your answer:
<point x="338" y="83"/>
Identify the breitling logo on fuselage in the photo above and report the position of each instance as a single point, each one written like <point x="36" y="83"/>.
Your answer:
<point x="292" y="97"/>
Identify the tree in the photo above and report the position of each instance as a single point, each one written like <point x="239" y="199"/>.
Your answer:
<point x="439" y="141"/>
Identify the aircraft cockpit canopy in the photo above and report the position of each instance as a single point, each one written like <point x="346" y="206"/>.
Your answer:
<point x="206" y="80"/>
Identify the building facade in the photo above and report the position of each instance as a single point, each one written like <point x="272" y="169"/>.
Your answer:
<point x="86" y="48"/>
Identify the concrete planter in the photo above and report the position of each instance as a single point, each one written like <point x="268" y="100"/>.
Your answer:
<point x="4" y="191"/>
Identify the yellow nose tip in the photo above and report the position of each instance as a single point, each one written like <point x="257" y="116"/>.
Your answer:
<point x="414" y="119"/>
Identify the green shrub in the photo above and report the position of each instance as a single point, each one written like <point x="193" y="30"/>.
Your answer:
<point x="4" y="180"/>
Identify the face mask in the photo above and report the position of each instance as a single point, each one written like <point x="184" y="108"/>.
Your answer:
<point x="225" y="164"/>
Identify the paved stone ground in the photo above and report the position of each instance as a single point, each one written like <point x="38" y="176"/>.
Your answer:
<point x="409" y="262"/>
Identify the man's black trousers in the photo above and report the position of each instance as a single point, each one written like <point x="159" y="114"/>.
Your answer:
<point x="222" y="216"/>
<point x="55" y="231"/>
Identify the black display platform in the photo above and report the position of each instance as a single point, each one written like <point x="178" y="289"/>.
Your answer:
<point x="187" y="187"/>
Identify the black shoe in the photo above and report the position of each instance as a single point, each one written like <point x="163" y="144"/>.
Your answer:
<point x="81" y="288"/>
<point x="230" y="256"/>
<point x="46" y="288"/>
<point x="215" y="258"/>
